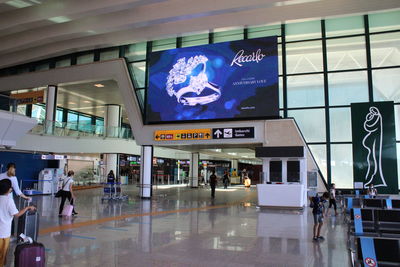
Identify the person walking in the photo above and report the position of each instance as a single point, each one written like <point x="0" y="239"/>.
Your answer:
<point x="332" y="198"/>
<point x="67" y="192"/>
<point x="10" y="174"/>
<point x="225" y="180"/>
<point x="213" y="183"/>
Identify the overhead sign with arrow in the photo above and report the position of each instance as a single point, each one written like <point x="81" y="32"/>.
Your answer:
<point x="233" y="133"/>
<point x="182" y="135"/>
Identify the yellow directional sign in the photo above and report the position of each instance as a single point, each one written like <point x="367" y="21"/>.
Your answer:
<point x="182" y="135"/>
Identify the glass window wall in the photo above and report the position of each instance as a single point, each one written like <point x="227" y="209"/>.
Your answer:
<point x="344" y="26"/>
<point x="305" y="91"/>
<point x="72" y="120"/>
<point x="193" y="40"/>
<point x="319" y="153"/>
<point x="346" y="53"/>
<point x="264" y="31"/>
<point x="311" y="123"/>
<point x="304" y="57"/>
<point x="386" y="84"/>
<point x="340" y="124"/>
<point x="385" y="49"/>
<point x="63" y="63"/>
<point x="303" y="30"/>
<point x="385" y="21"/>
<point x="136" y="52"/>
<point x="348" y="87"/>
<point x="109" y="54"/>
<point x="342" y="165"/>
<point x="85" y="59"/>
<point x="139" y="72"/>
<point x="225" y="36"/>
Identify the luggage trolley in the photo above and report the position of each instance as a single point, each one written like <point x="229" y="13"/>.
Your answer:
<point x="112" y="191"/>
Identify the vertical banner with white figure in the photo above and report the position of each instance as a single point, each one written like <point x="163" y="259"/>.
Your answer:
<point x="374" y="145"/>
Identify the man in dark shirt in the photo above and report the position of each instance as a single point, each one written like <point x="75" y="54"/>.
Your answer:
<point x="213" y="183"/>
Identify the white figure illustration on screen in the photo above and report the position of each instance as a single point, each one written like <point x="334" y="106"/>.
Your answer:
<point x="197" y="84"/>
<point x="372" y="142"/>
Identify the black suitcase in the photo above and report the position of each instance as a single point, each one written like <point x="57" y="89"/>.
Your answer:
<point x="28" y="224"/>
<point x="30" y="255"/>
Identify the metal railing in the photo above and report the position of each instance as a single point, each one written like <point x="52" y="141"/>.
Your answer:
<point x="55" y="128"/>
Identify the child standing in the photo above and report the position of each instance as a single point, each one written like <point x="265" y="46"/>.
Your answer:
<point x="318" y="214"/>
<point x="7" y="212"/>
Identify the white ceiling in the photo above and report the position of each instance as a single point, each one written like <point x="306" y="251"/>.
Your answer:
<point x="87" y="98"/>
<point x="37" y="29"/>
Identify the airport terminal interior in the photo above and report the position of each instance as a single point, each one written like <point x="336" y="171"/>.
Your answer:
<point x="200" y="133"/>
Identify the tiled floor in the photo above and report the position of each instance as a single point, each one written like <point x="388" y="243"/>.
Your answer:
<point x="185" y="227"/>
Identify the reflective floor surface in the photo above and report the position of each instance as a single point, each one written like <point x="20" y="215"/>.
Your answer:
<point x="185" y="227"/>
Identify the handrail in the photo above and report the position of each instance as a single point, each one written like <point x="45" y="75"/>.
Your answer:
<point x="56" y="128"/>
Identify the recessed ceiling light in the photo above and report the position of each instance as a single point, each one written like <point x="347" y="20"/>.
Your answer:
<point x="99" y="85"/>
<point x="86" y="101"/>
<point x="72" y="103"/>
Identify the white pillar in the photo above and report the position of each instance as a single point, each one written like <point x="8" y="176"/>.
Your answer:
<point x="51" y="107"/>
<point x="145" y="226"/>
<point x="284" y="170"/>
<point x="112" y="120"/>
<point x="146" y="171"/>
<point x="194" y="170"/>
<point x="111" y="161"/>
<point x="265" y="169"/>
<point x="235" y="165"/>
<point x="51" y="102"/>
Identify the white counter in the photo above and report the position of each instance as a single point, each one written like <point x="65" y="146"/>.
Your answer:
<point x="281" y="195"/>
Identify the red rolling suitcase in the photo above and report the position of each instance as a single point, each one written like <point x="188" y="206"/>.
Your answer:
<point x="30" y="255"/>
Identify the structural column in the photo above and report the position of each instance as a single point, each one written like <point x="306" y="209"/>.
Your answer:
<point x="112" y="123"/>
<point x="51" y="107"/>
<point x="145" y="227"/>
<point x="194" y="170"/>
<point x="146" y="171"/>
<point x="265" y="170"/>
<point x="112" y="120"/>
<point x="235" y="165"/>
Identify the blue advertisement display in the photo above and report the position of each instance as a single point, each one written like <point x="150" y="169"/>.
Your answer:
<point x="230" y="80"/>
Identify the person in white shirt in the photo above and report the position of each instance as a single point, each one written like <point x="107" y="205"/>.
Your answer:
<point x="67" y="192"/>
<point x="10" y="174"/>
<point x="7" y="212"/>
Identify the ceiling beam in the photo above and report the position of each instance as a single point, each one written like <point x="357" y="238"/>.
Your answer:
<point x="258" y="16"/>
<point x="128" y="19"/>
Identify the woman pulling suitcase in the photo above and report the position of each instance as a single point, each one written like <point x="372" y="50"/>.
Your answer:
<point x="67" y="192"/>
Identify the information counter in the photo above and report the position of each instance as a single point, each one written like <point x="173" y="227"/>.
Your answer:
<point x="281" y="195"/>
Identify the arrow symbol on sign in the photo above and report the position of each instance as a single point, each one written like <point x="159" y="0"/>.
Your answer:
<point x="157" y="137"/>
<point x="207" y="135"/>
<point x="218" y="133"/>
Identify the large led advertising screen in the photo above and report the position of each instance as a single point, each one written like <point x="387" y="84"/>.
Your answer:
<point x="230" y="80"/>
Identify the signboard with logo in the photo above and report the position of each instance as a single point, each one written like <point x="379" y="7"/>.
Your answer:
<point x="29" y="97"/>
<point x="233" y="133"/>
<point x="182" y="135"/>
<point x="230" y="80"/>
<point x="374" y="146"/>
